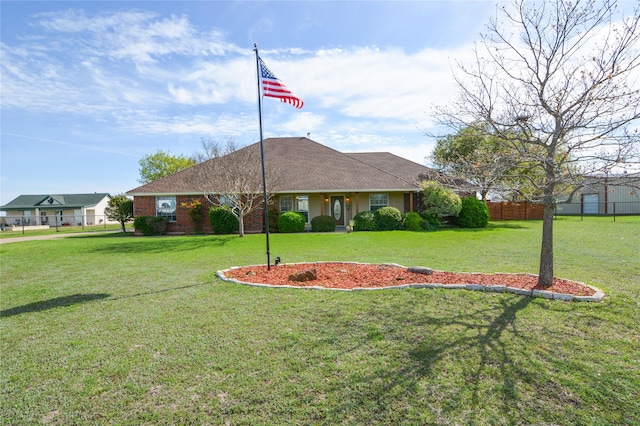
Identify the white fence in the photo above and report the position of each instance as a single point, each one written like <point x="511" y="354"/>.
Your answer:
<point x="14" y="223"/>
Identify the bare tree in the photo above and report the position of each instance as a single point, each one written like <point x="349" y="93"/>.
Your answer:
<point x="214" y="149"/>
<point x="233" y="179"/>
<point x="558" y="81"/>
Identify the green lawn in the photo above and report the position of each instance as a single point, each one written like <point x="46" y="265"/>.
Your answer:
<point x="112" y="329"/>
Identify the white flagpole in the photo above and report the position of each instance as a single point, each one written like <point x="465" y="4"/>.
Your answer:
<point x="264" y="176"/>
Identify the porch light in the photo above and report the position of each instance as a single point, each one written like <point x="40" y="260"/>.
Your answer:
<point x="326" y="199"/>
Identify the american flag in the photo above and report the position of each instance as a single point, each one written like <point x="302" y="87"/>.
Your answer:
<point x="272" y="87"/>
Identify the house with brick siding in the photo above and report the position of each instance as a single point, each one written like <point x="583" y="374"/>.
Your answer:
<point x="313" y="179"/>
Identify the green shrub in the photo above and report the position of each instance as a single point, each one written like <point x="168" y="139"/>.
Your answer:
<point x="388" y="219"/>
<point x="364" y="221"/>
<point x="323" y="224"/>
<point x="291" y="222"/>
<point x="474" y="214"/>
<point x="274" y="217"/>
<point x="413" y="222"/>
<point x="438" y="200"/>
<point x="150" y="225"/>
<point x="430" y="222"/>
<point x="222" y="221"/>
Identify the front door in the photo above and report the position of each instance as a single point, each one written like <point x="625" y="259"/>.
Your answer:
<point x="337" y="209"/>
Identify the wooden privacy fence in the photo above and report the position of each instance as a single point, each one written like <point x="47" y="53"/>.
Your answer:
<point x="515" y="211"/>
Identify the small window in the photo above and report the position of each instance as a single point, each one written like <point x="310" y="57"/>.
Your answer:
<point x="166" y="207"/>
<point x="377" y="201"/>
<point x="286" y="203"/>
<point x="225" y="200"/>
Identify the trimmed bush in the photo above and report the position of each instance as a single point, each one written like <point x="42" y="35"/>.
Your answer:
<point x="413" y="222"/>
<point x="150" y="225"/>
<point x="474" y="214"/>
<point x="222" y="221"/>
<point x="388" y="219"/>
<point x="364" y="221"/>
<point x="291" y="222"/>
<point x="323" y="224"/>
<point x="439" y="201"/>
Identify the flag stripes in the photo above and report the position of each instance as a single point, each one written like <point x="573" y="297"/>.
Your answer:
<point x="272" y="87"/>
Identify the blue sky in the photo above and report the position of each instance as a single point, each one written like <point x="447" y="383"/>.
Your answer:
<point x="89" y="88"/>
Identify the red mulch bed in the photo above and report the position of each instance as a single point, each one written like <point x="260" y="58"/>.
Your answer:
<point x="359" y="275"/>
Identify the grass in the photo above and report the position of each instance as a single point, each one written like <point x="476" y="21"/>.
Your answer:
<point x="106" y="329"/>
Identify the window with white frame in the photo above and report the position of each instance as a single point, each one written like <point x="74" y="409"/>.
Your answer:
<point x="377" y="201"/>
<point x="286" y="203"/>
<point x="166" y="207"/>
<point x="226" y="201"/>
<point x="302" y="206"/>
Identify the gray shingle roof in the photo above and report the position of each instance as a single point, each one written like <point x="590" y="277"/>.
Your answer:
<point x="397" y="166"/>
<point x="62" y="201"/>
<point x="307" y="166"/>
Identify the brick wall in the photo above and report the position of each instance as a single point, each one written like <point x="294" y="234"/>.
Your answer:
<point x="146" y="206"/>
<point x="183" y="223"/>
<point x="253" y="223"/>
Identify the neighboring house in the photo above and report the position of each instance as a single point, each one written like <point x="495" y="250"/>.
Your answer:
<point x="606" y="195"/>
<point x="56" y="210"/>
<point x="313" y="180"/>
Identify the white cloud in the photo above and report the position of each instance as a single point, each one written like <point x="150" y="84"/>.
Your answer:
<point x="138" y="36"/>
<point x="372" y="82"/>
<point x="223" y="81"/>
<point x="197" y="124"/>
<point x="303" y="123"/>
<point x="154" y="74"/>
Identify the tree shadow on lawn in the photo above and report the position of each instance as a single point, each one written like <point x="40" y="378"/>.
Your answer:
<point x="163" y="244"/>
<point x="479" y="333"/>
<point x="458" y="364"/>
<point x="164" y="290"/>
<point x="56" y="302"/>
<point x="491" y="226"/>
<point x="436" y="339"/>
<point x="63" y="301"/>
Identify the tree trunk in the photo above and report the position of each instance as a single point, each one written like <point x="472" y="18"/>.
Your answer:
<point x="545" y="275"/>
<point x="240" y="225"/>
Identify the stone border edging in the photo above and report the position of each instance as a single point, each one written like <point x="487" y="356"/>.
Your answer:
<point x="495" y="288"/>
